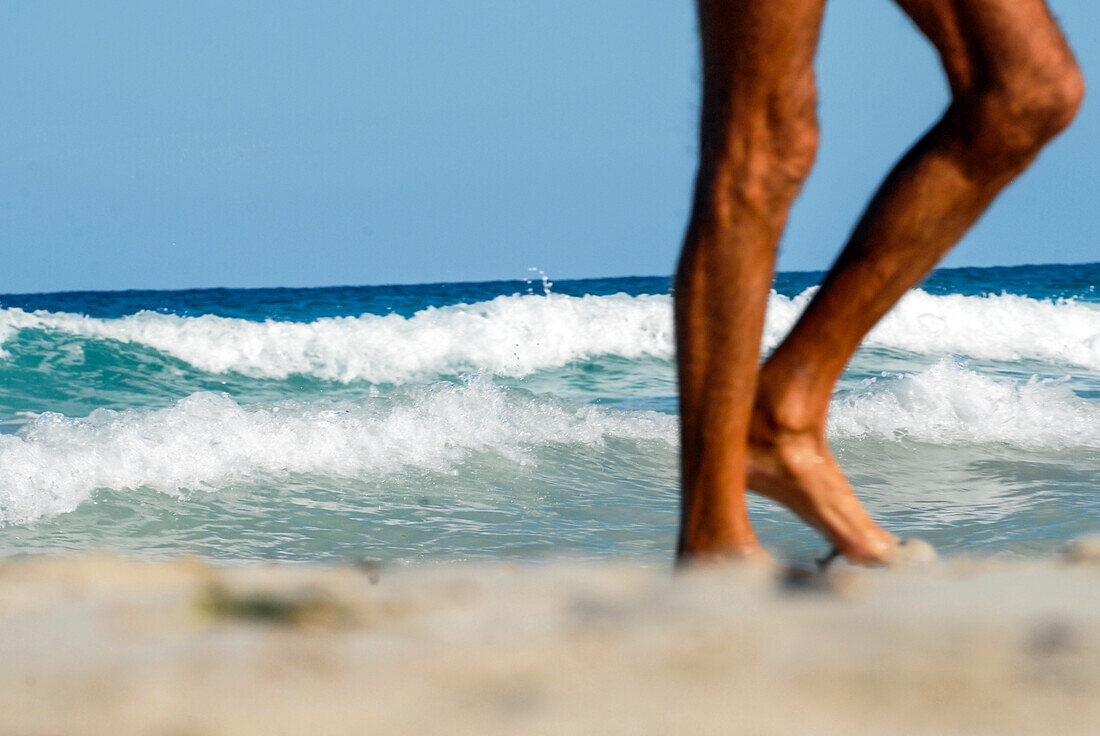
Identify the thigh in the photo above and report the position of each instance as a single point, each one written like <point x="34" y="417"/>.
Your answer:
<point x="758" y="77"/>
<point x="984" y="42"/>
<point x="758" y="42"/>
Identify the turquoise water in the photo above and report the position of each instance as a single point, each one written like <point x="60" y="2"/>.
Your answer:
<point x="527" y="418"/>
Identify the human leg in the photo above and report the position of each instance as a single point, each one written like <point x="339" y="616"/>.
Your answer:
<point x="758" y="136"/>
<point x="1014" y="86"/>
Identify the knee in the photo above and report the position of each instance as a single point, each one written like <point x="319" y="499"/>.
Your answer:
<point x="1007" y="123"/>
<point x="793" y="143"/>
<point x="790" y="134"/>
<point x="760" y="157"/>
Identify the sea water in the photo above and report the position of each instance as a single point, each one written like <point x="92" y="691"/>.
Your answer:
<point x="516" y="419"/>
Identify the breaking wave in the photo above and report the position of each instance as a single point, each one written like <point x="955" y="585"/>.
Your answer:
<point x="208" y="441"/>
<point x="518" y="335"/>
<point x="949" y="404"/>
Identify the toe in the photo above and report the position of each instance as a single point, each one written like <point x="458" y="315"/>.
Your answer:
<point x="912" y="552"/>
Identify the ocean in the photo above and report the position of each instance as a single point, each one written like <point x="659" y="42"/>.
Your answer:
<point x="518" y="419"/>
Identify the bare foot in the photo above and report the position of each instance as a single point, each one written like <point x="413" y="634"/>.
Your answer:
<point x="797" y="469"/>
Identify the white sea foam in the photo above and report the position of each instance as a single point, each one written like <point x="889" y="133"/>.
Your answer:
<point x="208" y="441"/>
<point x="948" y="404"/>
<point x="1001" y="327"/>
<point x="1004" y="327"/>
<point x="518" y="335"/>
<point x="509" y="336"/>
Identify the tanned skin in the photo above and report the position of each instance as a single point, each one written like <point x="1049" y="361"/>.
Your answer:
<point x="1014" y="86"/>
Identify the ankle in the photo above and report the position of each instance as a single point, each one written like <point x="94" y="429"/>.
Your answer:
<point x="792" y="409"/>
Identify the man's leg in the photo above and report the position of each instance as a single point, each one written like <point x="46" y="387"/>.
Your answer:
<point x="1015" y="85"/>
<point x="758" y="138"/>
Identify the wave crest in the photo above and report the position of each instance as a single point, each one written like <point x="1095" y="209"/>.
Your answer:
<point x="208" y="441"/>
<point x="518" y="335"/>
<point x="508" y="336"/>
<point x="948" y="404"/>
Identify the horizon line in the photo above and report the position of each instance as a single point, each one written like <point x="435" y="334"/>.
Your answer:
<point x="478" y="282"/>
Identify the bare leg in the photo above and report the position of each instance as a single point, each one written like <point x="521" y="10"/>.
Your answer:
<point x="757" y="142"/>
<point x="1015" y="85"/>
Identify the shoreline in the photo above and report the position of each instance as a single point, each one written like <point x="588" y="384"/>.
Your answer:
<point x="101" y="645"/>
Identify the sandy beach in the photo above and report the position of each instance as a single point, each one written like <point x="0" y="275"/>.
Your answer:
<point x="101" y="645"/>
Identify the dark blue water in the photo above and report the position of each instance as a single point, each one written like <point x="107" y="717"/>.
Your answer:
<point x="1040" y="282"/>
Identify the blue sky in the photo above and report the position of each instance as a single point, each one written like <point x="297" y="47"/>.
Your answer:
<point x="195" y="143"/>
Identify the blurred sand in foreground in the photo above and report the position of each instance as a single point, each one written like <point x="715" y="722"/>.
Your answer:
<point x="97" y="645"/>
